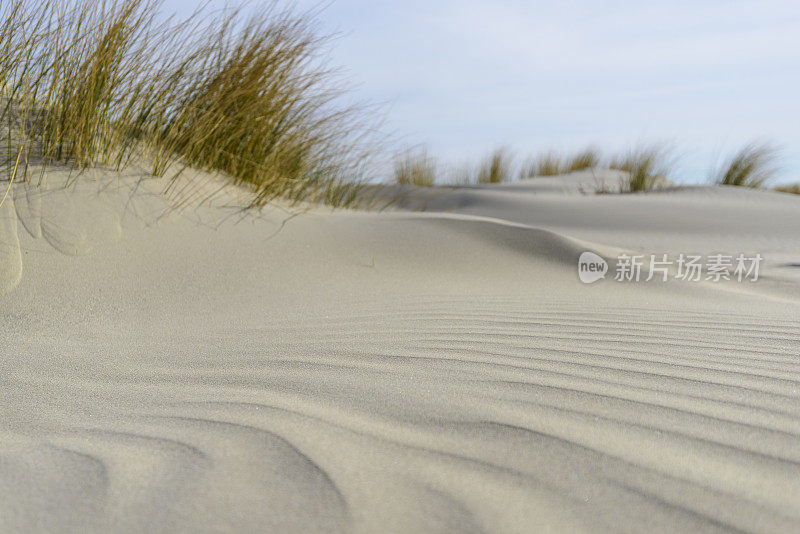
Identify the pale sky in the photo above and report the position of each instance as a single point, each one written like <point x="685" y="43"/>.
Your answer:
<point x="463" y="77"/>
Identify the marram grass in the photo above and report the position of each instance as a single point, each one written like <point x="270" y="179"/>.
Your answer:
<point x="415" y="167"/>
<point x="546" y="164"/>
<point x="552" y="163"/>
<point x="793" y="189"/>
<point x="648" y="167"/>
<point x="496" y="168"/>
<point x="88" y="83"/>
<point x="752" y="166"/>
<point x="588" y="158"/>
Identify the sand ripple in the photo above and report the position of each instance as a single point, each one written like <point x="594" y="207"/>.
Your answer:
<point x="436" y="415"/>
<point x="391" y="372"/>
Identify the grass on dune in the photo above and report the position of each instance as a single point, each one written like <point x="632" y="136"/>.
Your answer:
<point x="418" y="168"/>
<point x="91" y="83"/>
<point x="648" y="168"/>
<point x="752" y="166"/>
<point x="793" y="189"/>
<point x="588" y="158"/>
<point x="496" y="168"/>
<point x="547" y="164"/>
<point x="415" y="167"/>
<point x="69" y="72"/>
<point x="554" y="164"/>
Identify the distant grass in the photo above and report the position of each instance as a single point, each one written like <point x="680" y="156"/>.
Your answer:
<point x="415" y="167"/>
<point x="589" y="158"/>
<point x="496" y="168"/>
<point x="648" y="167"/>
<point x="554" y="164"/>
<point x="92" y="84"/>
<point x="793" y="189"/>
<point x="462" y="174"/>
<point x="752" y="166"/>
<point x="545" y="164"/>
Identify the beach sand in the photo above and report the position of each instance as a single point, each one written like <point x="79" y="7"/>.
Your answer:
<point x="201" y="369"/>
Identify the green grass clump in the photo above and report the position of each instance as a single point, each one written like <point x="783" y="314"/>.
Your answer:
<point x="415" y="167"/>
<point x="496" y="168"/>
<point x="648" y="168"/>
<point x="72" y="78"/>
<point x="752" y="166"/>
<point x="249" y="97"/>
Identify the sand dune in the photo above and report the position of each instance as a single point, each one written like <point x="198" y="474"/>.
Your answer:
<point x="206" y="370"/>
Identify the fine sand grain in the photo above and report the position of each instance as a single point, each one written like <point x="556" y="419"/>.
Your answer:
<point x="204" y="370"/>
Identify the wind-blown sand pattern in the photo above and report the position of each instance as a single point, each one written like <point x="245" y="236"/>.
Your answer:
<point x="10" y="254"/>
<point x="206" y="370"/>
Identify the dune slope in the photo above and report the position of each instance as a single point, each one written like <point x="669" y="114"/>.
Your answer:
<point x="206" y="370"/>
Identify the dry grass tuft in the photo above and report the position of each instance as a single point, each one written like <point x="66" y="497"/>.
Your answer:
<point x="546" y="164"/>
<point x="752" y="166"/>
<point x="496" y="168"/>
<point x="793" y="189"/>
<point x="72" y="76"/>
<point x="554" y="164"/>
<point x="648" y="167"/>
<point x="589" y="158"/>
<point x="249" y="97"/>
<point x="415" y="167"/>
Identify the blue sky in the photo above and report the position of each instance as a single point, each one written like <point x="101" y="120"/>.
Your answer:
<point x="466" y="76"/>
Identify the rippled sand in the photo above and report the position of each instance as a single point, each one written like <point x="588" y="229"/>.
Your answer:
<point x="201" y="370"/>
